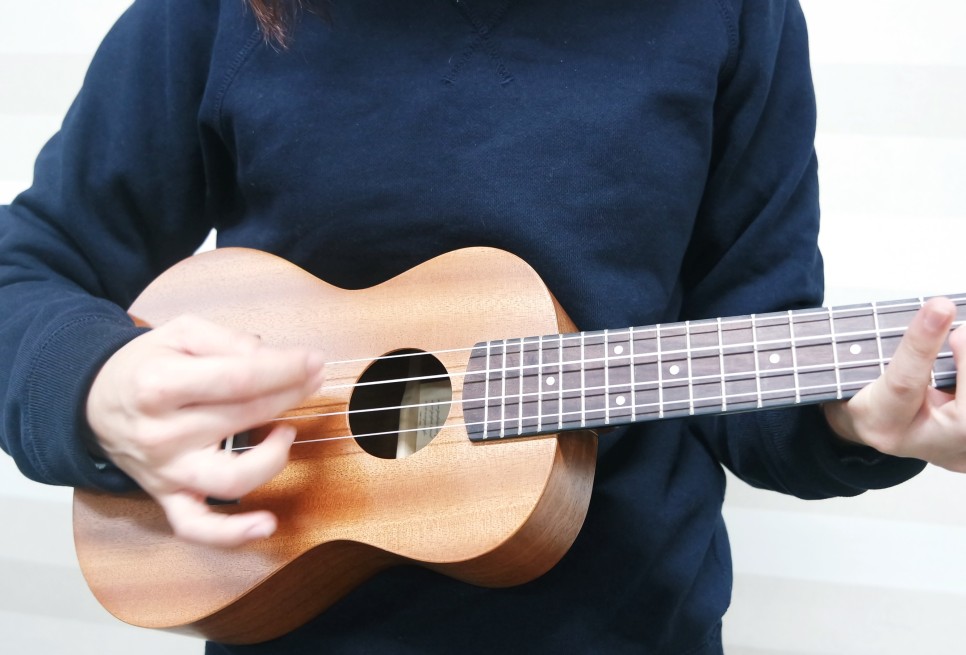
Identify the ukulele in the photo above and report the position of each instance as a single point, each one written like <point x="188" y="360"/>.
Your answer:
<point x="476" y="461"/>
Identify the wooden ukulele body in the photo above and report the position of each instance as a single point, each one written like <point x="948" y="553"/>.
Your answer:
<point x="493" y="514"/>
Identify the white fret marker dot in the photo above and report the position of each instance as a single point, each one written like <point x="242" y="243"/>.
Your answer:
<point x="620" y="400"/>
<point x="618" y="350"/>
<point x="855" y="349"/>
<point x="775" y="358"/>
<point x="674" y="370"/>
<point x="551" y="381"/>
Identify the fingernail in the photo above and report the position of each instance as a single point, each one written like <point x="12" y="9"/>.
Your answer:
<point x="936" y="320"/>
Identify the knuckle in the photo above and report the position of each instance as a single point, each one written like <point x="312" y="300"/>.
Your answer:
<point x="232" y="489"/>
<point x="184" y="322"/>
<point x="922" y="352"/>
<point x="904" y="386"/>
<point x="187" y="476"/>
<point x="150" y="390"/>
<point x="154" y="437"/>
<point x="241" y="382"/>
<point x="236" y="481"/>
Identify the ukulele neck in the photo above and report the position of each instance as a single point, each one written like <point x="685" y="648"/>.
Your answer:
<point x="539" y="385"/>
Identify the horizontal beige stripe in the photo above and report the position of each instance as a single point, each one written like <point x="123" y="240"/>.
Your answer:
<point x="39" y="84"/>
<point x="878" y="257"/>
<point x="22" y="138"/>
<point x="887" y="553"/>
<point x="776" y="615"/>
<point x="56" y="26"/>
<point x="14" y="485"/>
<point x="933" y="497"/>
<point x="886" y="31"/>
<point x="48" y="590"/>
<point x="891" y="176"/>
<point x="892" y="100"/>
<point x="30" y="634"/>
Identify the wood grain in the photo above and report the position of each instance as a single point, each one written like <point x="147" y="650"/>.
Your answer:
<point x="489" y="514"/>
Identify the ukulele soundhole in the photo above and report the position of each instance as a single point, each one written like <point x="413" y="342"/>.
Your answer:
<point x="400" y="403"/>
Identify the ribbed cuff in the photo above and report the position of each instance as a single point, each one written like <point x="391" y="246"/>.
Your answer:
<point x="56" y="435"/>
<point x="821" y="464"/>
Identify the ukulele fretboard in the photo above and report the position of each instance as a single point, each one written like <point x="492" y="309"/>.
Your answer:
<point x="538" y="385"/>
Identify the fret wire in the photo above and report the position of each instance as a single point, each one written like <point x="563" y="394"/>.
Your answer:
<point x="660" y="371"/>
<point x="932" y="373"/>
<point x="820" y="314"/>
<point x="875" y="312"/>
<point x="633" y="376"/>
<point x="687" y="347"/>
<point x="779" y="395"/>
<point x="680" y="383"/>
<point x="606" y="379"/>
<point x="788" y="394"/>
<point x="754" y="349"/>
<point x="486" y="394"/>
<point x="560" y="384"/>
<point x="749" y="373"/>
<point x="712" y="351"/>
<point x="522" y="375"/>
<point x="503" y="391"/>
<point x="878" y="337"/>
<point x="868" y="335"/>
<point x="746" y="375"/>
<point x="791" y="333"/>
<point x="540" y="383"/>
<point x="608" y="384"/>
<point x="835" y="352"/>
<point x="852" y="386"/>
<point x="664" y="405"/>
<point x="583" y="379"/>
<point x="721" y="368"/>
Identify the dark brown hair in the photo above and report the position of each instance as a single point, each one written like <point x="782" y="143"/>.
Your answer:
<point x="277" y="17"/>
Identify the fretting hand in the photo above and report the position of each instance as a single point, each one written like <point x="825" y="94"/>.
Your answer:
<point x="161" y="406"/>
<point x="900" y="413"/>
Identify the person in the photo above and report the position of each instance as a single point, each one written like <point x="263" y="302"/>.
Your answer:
<point x="654" y="162"/>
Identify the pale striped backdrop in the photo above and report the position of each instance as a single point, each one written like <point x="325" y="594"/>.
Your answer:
<point x="882" y="574"/>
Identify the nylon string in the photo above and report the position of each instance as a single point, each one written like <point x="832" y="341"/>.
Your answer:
<point x="693" y="353"/>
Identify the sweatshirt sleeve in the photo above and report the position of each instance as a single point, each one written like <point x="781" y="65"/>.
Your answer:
<point x="755" y="251"/>
<point x="119" y="194"/>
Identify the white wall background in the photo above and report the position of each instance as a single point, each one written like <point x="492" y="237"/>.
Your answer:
<point x="881" y="574"/>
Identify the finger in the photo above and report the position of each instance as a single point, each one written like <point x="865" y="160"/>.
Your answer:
<point x="230" y="476"/>
<point x="199" y="336"/>
<point x="957" y="342"/>
<point x="201" y="426"/>
<point x="185" y="381"/>
<point x="909" y="374"/>
<point x="193" y="520"/>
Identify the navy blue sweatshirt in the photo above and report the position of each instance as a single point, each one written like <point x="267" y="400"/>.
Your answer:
<point x="652" y="160"/>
